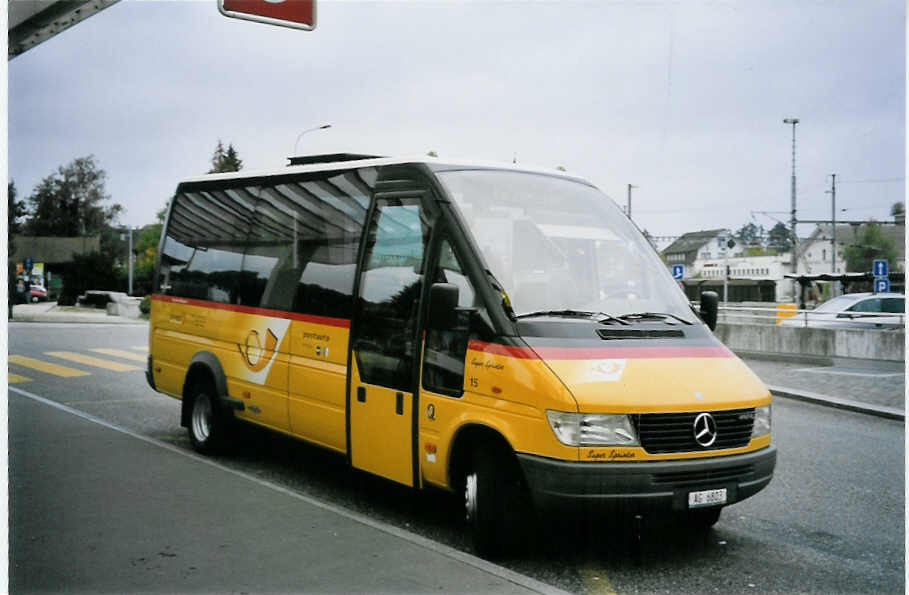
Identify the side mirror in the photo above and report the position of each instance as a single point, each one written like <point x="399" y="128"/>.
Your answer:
<point x="710" y="308"/>
<point x="443" y="303"/>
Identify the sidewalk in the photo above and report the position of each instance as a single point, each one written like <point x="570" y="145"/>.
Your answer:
<point x="50" y="312"/>
<point x="94" y="508"/>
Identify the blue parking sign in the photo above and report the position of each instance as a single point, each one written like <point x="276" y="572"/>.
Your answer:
<point x="678" y="272"/>
<point x="881" y="285"/>
<point x="881" y="267"/>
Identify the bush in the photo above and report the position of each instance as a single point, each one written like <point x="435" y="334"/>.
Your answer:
<point x="145" y="305"/>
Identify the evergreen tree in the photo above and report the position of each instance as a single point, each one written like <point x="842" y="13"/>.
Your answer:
<point x="225" y="160"/>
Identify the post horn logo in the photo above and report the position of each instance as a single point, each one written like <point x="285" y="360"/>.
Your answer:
<point x="255" y="355"/>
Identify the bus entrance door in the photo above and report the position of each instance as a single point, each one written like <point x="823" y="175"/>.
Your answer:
<point x="382" y="364"/>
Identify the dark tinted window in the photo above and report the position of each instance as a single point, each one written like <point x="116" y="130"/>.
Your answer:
<point x="389" y="293"/>
<point x="446" y="349"/>
<point x="869" y="305"/>
<point x="894" y="305"/>
<point x="206" y="236"/>
<point x="286" y="246"/>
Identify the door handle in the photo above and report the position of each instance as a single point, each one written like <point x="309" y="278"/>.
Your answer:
<point x="361" y="394"/>
<point x="399" y="403"/>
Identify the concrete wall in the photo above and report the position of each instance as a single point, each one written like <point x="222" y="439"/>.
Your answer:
<point x="814" y="343"/>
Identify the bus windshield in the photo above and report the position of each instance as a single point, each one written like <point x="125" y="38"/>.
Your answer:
<point x="557" y="244"/>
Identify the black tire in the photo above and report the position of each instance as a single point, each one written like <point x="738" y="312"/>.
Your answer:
<point x="704" y="518"/>
<point x="207" y="423"/>
<point x="497" y="504"/>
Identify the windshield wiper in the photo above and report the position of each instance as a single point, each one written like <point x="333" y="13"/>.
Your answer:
<point x="573" y="314"/>
<point x="643" y="315"/>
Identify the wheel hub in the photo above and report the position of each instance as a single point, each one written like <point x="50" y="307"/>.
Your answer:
<point x="470" y="496"/>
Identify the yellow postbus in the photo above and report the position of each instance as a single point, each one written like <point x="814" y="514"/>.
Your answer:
<point x="503" y="333"/>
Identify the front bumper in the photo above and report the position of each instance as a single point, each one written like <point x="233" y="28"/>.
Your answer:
<point x="648" y="486"/>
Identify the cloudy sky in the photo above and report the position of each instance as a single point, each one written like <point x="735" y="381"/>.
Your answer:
<point x="684" y="99"/>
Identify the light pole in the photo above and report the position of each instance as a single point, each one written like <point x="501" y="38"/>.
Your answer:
<point x="322" y="127"/>
<point x="792" y="220"/>
<point x="628" y="208"/>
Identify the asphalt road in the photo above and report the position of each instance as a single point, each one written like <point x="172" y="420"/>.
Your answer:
<point x="831" y="521"/>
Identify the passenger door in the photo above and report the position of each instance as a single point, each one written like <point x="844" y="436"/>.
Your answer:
<point x="382" y="374"/>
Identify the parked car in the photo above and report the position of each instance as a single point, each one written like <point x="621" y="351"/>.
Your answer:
<point x="855" y="310"/>
<point x="37" y="293"/>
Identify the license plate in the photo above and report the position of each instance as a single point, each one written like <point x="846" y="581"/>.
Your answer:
<point x="706" y="498"/>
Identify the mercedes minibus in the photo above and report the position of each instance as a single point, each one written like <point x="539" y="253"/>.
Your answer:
<point x="504" y="333"/>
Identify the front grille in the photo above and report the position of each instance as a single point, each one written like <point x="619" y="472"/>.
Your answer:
<point x="674" y="432"/>
<point x="697" y="477"/>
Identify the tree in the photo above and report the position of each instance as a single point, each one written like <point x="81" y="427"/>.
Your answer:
<point x="870" y="244"/>
<point x="71" y="201"/>
<point x="14" y="212"/>
<point x="432" y="154"/>
<point x="750" y="235"/>
<point x="225" y="160"/>
<point x="779" y="238"/>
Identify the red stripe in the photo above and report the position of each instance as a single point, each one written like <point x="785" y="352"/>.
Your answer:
<point x="326" y="320"/>
<point x="580" y="353"/>
<point x="506" y="350"/>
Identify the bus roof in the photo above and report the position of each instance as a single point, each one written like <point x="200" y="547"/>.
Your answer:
<point x="351" y="160"/>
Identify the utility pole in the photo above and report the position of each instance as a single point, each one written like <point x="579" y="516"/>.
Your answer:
<point x="130" y="260"/>
<point x="628" y="207"/>
<point x="792" y="220"/>
<point x="833" y="230"/>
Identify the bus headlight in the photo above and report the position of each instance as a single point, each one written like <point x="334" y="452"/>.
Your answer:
<point x="761" y="421"/>
<point x="592" y="429"/>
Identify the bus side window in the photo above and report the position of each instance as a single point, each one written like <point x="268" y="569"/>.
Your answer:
<point x="445" y="350"/>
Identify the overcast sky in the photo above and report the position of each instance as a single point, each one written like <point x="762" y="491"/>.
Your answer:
<point x="683" y="99"/>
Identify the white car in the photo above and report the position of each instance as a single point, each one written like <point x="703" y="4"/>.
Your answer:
<point x="855" y="310"/>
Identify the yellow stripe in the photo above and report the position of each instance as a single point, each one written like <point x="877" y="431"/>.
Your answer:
<point x="596" y="581"/>
<point x="92" y="361"/>
<point x="14" y="378"/>
<point x="141" y="348"/>
<point x="120" y="353"/>
<point x="37" y="364"/>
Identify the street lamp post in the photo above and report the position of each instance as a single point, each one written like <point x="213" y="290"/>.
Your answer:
<point x="322" y="127"/>
<point x="792" y="220"/>
<point x="628" y="208"/>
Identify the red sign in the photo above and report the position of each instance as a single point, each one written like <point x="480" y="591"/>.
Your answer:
<point x="299" y="14"/>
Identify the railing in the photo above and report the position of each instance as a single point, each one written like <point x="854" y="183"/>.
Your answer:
<point x="790" y="317"/>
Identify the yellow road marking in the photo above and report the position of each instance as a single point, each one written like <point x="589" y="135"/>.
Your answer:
<point x="141" y="348"/>
<point x="596" y="581"/>
<point x="14" y="378"/>
<point x="120" y="353"/>
<point x="42" y="366"/>
<point x="92" y="361"/>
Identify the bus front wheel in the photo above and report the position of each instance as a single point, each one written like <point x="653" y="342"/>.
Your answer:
<point x="496" y="504"/>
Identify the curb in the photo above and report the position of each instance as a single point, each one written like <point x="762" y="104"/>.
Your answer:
<point x="847" y="404"/>
<point x="75" y="320"/>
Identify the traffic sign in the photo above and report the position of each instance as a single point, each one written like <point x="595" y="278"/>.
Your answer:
<point x="881" y="285"/>
<point x="297" y="14"/>
<point x="678" y="272"/>
<point x="881" y="267"/>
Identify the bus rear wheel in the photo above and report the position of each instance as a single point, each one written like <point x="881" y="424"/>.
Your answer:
<point x="206" y="421"/>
